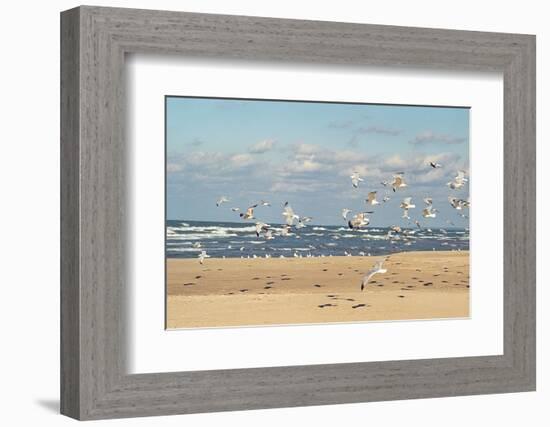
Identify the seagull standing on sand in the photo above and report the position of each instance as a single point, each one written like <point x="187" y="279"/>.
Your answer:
<point x="398" y="182"/>
<point x="202" y="256"/>
<point x="375" y="270"/>
<point x="222" y="200"/>
<point x="249" y="214"/>
<point x="355" y="179"/>
<point x="371" y="199"/>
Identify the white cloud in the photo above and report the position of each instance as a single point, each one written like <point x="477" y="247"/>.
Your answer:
<point x="301" y="166"/>
<point x="262" y="146"/>
<point x="241" y="160"/>
<point x="305" y="149"/>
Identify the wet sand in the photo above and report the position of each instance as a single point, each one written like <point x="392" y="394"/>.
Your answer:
<point x="245" y="292"/>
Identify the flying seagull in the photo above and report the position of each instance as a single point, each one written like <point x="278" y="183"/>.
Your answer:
<point x="289" y="214"/>
<point x="249" y="214"/>
<point x="235" y="209"/>
<point x="202" y="256"/>
<point x="406" y="203"/>
<point x="261" y="228"/>
<point x="359" y="220"/>
<point x="355" y="179"/>
<point x="386" y="198"/>
<point x="395" y="228"/>
<point x="398" y="182"/>
<point x="374" y="270"/>
<point x="302" y="221"/>
<point x="221" y="201"/>
<point x="429" y="212"/>
<point x="435" y="165"/>
<point x="345" y="213"/>
<point x="371" y="199"/>
<point x="285" y="230"/>
<point x="264" y="203"/>
<point x="458" y="204"/>
<point x="458" y="181"/>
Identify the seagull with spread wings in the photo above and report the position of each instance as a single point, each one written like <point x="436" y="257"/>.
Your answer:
<point x="289" y="214"/>
<point x="221" y="201"/>
<point x="377" y="269"/>
<point x="398" y="182"/>
<point x="249" y="214"/>
<point x="356" y="179"/>
<point x="458" y="181"/>
<point x="371" y="199"/>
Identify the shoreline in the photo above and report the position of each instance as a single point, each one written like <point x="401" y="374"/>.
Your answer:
<point x="282" y="291"/>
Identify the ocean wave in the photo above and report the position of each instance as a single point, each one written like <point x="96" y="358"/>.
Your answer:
<point x="198" y="250"/>
<point x="197" y="236"/>
<point x="374" y="237"/>
<point x="213" y="229"/>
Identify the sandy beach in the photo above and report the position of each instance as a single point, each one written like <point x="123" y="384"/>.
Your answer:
<point x="245" y="292"/>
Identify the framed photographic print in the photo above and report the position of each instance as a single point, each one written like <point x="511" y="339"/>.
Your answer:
<point x="345" y="212"/>
<point x="306" y="212"/>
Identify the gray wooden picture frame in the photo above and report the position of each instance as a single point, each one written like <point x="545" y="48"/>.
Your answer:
<point x="94" y="381"/>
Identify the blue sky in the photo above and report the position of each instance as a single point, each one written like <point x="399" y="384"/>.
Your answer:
<point x="304" y="153"/>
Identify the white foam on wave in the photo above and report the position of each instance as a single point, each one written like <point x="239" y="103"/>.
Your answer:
<point x="374" y="237"/>
<point x="214" y="229"/>
<point x="198" y="236"/>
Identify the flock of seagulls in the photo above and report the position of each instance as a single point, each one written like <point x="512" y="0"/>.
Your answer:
<point x="361" y="220"/>
<point x="358" y="220"/>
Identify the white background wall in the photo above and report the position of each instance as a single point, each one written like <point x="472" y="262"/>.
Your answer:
<point x="29" y="212"/>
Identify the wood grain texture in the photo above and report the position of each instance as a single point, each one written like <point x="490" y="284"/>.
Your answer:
<point x="95" y="383"/>
<point x="70" y="291"/>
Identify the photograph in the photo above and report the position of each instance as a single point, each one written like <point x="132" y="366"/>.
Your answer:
<point x="293" y="212"/>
